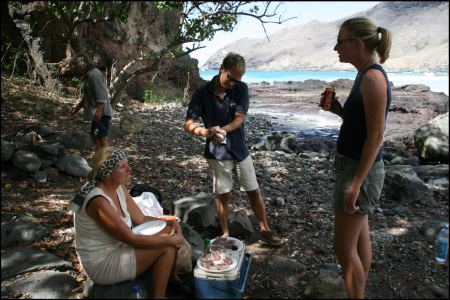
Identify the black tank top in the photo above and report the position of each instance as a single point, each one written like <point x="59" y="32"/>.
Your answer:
<point x="353" y="130"/>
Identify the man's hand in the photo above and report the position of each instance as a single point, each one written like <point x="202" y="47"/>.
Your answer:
<point x="98" y="114"/>
<point x="74" y="110"/>
<point x="216" y="134"/>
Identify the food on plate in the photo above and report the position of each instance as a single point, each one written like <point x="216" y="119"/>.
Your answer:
<point x="168" y="218"/>
<point x="223" y="243"/>
<point x="216" y="261"/>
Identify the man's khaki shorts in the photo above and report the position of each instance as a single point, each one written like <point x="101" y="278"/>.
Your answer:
<point x="370" y="190"/>
<point x="222" y="175"/>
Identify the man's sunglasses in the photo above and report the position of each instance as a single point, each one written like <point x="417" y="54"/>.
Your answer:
<point x="231" y="78"/>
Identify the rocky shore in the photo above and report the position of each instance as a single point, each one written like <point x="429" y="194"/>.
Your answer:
<point x="296" y="188"/>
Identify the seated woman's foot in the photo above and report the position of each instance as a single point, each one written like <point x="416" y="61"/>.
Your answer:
<point x="225" y="235"/>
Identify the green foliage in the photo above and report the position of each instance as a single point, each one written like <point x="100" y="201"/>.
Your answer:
<point x="14" y="59"/>
<point x="201" y="20"/>
<point x="78" y="83"/>
<point x="161" y="92"/>
<point x="152" y="97"/>
<point x="88" y="11"/>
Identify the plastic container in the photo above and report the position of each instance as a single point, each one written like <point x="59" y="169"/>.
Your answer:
<point x="442" y="245"/>
<point x="227" y="285"/>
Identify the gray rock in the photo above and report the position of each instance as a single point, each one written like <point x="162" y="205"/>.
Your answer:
<point x="8" y="150"/>
<point x="131" y="124"/>
<point x="40" y="176"/>
<point x="75" y="140"/>
<point x="49" y="151"/>
<point x="405" y="187"/>
<point x="239" y="223"/>
<point x="44" y="285"/>
<point x="26" y="161"/>
<point x="198" y="211"/>
<point x="115" y="132"/>
<point x="194" y="239"/>
<point x="282" y="263"/>
<point x="74" y="165"/>
<point x="326" y="285"/>
<point x="18" y="260"/>
<point x="45" y="131"/>
<point x="15" y="232"/>
<point x="431" y="140"/>
<point x="427" y="172"/>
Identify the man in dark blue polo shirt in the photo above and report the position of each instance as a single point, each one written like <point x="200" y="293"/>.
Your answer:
<point x="222" y="104"/>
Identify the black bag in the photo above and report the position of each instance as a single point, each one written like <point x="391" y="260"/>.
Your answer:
<point x="138" y="189"/>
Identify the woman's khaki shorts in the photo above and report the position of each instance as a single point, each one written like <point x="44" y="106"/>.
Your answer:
<point x="118" y="266"/>
<point x="222" y="175"/>
<point x="370" y="190"/>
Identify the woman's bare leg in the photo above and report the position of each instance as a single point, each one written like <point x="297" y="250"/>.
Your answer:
<point x="347" y="231"/>
<point x="159" y="260"/>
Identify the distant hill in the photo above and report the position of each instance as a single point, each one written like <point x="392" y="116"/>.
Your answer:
<point x="420" y="41"/>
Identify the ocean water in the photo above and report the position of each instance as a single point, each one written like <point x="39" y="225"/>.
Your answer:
<point x="438" y="82"/>
<point x="322" y="123"/>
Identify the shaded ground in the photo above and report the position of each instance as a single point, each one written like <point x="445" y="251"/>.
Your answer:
<point x="172" y="161"/>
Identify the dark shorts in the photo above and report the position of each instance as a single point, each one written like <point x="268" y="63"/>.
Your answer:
<point x="370" y="190"/>
<point x="100" y="129"/>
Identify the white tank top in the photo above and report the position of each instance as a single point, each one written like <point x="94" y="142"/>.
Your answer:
<point x="93" y="243"/>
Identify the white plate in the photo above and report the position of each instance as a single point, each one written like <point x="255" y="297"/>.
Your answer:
<point x="230" y="267"/>
<point x="238" y="243"/>
<point x="150" y="228"/>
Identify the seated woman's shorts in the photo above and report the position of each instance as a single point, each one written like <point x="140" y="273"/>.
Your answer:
<point x="118" y="266"/>
<point x="370" y="190"/>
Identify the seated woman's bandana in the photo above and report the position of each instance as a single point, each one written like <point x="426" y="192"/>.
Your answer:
<point x="110" y="164"/>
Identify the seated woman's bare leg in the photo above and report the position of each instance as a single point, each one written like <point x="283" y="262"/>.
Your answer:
<point x="162" y="261"/>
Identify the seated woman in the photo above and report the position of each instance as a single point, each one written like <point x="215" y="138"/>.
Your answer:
<point x="109" y="251"/>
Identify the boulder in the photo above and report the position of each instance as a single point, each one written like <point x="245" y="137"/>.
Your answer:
<point x="431" y="140"/>
<point x="198" y="211"/>
<point x="74" y="165"/>
<point x="8" y="150"/>
<point x="27" y="161"/>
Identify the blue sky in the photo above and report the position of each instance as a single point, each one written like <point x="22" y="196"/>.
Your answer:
<point x="304" y="11"/>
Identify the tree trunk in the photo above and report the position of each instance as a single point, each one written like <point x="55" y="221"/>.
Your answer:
<point x="125" y="76"/>
<point x="25" y="26"/>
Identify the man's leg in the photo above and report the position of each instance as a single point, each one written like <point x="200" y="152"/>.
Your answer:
<point x="102" y="142"/>
<point x="222" y="211"/>
<point x="222" y="185"/>
<point x="95" y="143"/>
<point x="257" y="205"/>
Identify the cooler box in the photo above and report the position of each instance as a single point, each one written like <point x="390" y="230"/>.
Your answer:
<point x="224" y="285"/>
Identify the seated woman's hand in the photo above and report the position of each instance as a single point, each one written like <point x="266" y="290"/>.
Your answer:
<point x="177" y="239"/>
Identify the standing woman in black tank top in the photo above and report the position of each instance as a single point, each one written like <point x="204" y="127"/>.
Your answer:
<point x="359" y="166"/>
